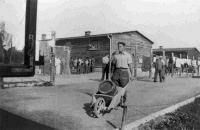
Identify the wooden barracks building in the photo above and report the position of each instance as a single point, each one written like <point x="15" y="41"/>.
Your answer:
<point x="186" y="53"/>
<point x="98" y="45"/>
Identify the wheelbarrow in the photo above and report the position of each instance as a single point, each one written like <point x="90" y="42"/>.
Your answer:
<point x="108" y="97"/>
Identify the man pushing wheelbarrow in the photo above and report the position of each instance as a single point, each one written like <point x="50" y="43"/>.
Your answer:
<point x="113" y="93"/>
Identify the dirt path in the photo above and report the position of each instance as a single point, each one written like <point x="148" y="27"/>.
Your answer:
<point x="67" y="106"/>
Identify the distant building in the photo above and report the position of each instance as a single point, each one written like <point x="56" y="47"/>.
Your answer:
<point x="190" y="53"/>
<point x="98" y="45"/>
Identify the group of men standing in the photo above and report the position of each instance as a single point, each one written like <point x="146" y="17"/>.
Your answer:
<point x="82" y="66"/>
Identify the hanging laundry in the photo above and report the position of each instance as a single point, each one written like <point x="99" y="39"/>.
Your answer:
<point x="140" y="61"/>
<point x="165" y="60"/>
<point x="182" y="61"/>
<point x="194" y="63"/>
<point x="58" y="65"/>
<point x="157" y="57"/>
<point x="189" y="61"/>
<point x="174" y="59"/>
<point x="154" y="59"/>
<point x="198" y="62"/>
<point x="178" y="63"/>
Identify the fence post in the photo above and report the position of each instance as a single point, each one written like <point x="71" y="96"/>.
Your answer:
<point x="1" y="83"/>
<point x="187" y="67"/>
<point x="193" y="68"/>
<point x="172" y="65"/>
<point x="52" y="72"/>
<point x="135" y="61"/>
<point x="150" y="71"/>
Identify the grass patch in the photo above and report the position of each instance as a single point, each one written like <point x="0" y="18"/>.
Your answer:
<point x="186" y="117"/>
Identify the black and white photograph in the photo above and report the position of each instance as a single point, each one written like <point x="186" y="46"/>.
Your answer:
<point x="99" y="65"/>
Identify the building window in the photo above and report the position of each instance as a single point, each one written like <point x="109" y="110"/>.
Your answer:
<point x="93" y="45"/>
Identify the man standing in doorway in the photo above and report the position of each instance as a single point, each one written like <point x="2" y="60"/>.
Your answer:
<point x="123" y="62"/>
<point x="105" y="66"/>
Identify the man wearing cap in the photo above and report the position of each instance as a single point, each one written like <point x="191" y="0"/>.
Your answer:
<point x="122" y="62"/>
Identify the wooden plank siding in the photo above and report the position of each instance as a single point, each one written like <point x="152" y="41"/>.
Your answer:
<point x="193" y="52"/>
<point x="80" y="45"/>
<point x="80" y="48"/>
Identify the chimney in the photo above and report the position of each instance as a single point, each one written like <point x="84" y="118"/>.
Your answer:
<point x="161" y="47"/>
<point x="53" y="34"/>
<point x="43" y="36"/>
<point x="87" y="33"/>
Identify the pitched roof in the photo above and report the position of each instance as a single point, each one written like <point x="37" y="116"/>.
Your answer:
<point x="174" y="49"/>
<point x="99" y="35"/>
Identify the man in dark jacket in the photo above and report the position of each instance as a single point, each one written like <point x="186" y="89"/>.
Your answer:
<point x="158" y="70"/>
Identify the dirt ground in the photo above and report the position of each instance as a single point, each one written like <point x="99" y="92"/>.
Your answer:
<point x="67" y="105"/>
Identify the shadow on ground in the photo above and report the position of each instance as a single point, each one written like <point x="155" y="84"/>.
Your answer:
<point x="24" y="82"/>
<point x="89" y="110"/>
<point x="110" y="123"/>
<point x="99" y="80"/>
<point x="9" y="121"/>
<point x="145" y="80"/>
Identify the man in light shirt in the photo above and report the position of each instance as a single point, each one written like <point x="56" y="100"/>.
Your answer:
<point x="123" y="62"/>
<point x="105" y="66"/>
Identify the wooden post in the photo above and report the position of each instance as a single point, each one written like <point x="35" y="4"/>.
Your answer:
<point x="123" y="117"/>
<point x="1" y="83"/>
<point x="163" y="71"/>
<point x="52" y="72"/>
<point x="181" y="67"/>
<point x="150" y="71"/>
<point x="193" y="66"/>
<point x="135" y="61"/>
<point x="43" y="68"/>
<point x="197" y="66"/>
<point x="197" y="69"/>
<point x="172" y="65"/>
<point x="68" y="62"/>
<point x="163" y="53"/>
<point x="187" y="67"/>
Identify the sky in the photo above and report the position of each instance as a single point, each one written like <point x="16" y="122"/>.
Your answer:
<point x="168" y="23"/>
<point x="12" y="13"/>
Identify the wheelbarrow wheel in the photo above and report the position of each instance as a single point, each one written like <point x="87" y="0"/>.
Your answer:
<point x="99" y="107"/>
